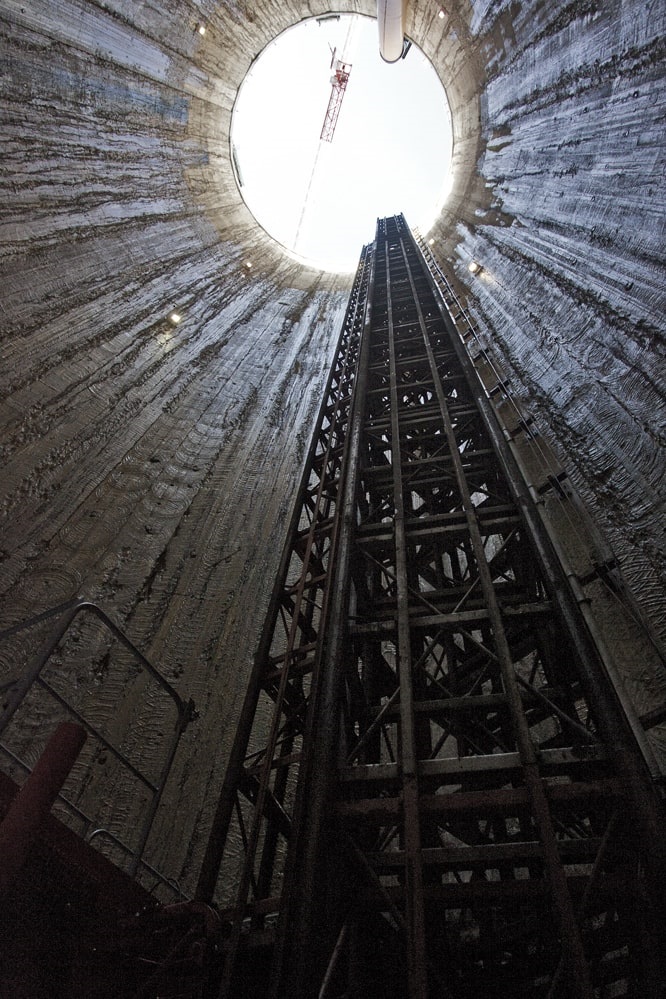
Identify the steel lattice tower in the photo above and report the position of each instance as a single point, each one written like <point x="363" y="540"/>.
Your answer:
<point x="434" y="790"/>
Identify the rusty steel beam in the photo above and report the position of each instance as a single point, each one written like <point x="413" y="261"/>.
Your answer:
<point x="579" y="977"/>
<point x="444" y="797"/>
<point x="431" y="479"/>
<point x="257" y="803"/>
<point x="413" y="872"/>
<point x="302" y="916"/>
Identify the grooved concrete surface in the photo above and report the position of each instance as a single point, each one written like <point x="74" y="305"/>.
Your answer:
<point x="151" y="467"/>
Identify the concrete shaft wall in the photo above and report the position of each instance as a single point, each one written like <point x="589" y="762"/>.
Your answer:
<point x="151" y="467"/>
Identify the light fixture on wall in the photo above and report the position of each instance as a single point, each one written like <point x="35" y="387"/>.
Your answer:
<point x="442" y="14"/>
<point x="473" y="267"/>
<point x="175" y="318"/>
<point x="201" y="28"/>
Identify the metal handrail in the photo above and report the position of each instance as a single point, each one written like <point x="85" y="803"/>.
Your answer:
<point x="20" y="687"/>
<point x="88" y="825"/>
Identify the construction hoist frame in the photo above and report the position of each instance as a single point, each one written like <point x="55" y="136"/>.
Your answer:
<point x="257" y="806"/>
<point x="434" y="786"/>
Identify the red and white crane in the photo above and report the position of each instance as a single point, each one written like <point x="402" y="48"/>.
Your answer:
<point x="339" y="82"/>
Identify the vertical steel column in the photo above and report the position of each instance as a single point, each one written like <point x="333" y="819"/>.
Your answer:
<point x="416" y="963"/>
<point x="529" y="885"/>
<point x="256" y="807"/>
<point x="574" y="955"/>
<point x="306" y="919"/>
<point x="434" y="785"/>
<point x="615" y="725"/>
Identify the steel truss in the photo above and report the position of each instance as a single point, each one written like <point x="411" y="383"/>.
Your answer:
<point x="434" y="786"/>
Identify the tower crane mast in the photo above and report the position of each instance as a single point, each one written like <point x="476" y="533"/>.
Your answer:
<point x="339" y="82"/>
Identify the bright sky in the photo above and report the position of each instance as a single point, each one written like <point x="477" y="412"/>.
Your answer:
<point x="391" y="151"/>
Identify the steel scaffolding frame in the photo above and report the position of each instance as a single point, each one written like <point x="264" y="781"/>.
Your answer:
<point x="258" y="805"/>
<point x="433" y="782"/>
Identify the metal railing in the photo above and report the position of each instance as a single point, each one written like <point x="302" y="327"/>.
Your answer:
<point x="18" y="688"/>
